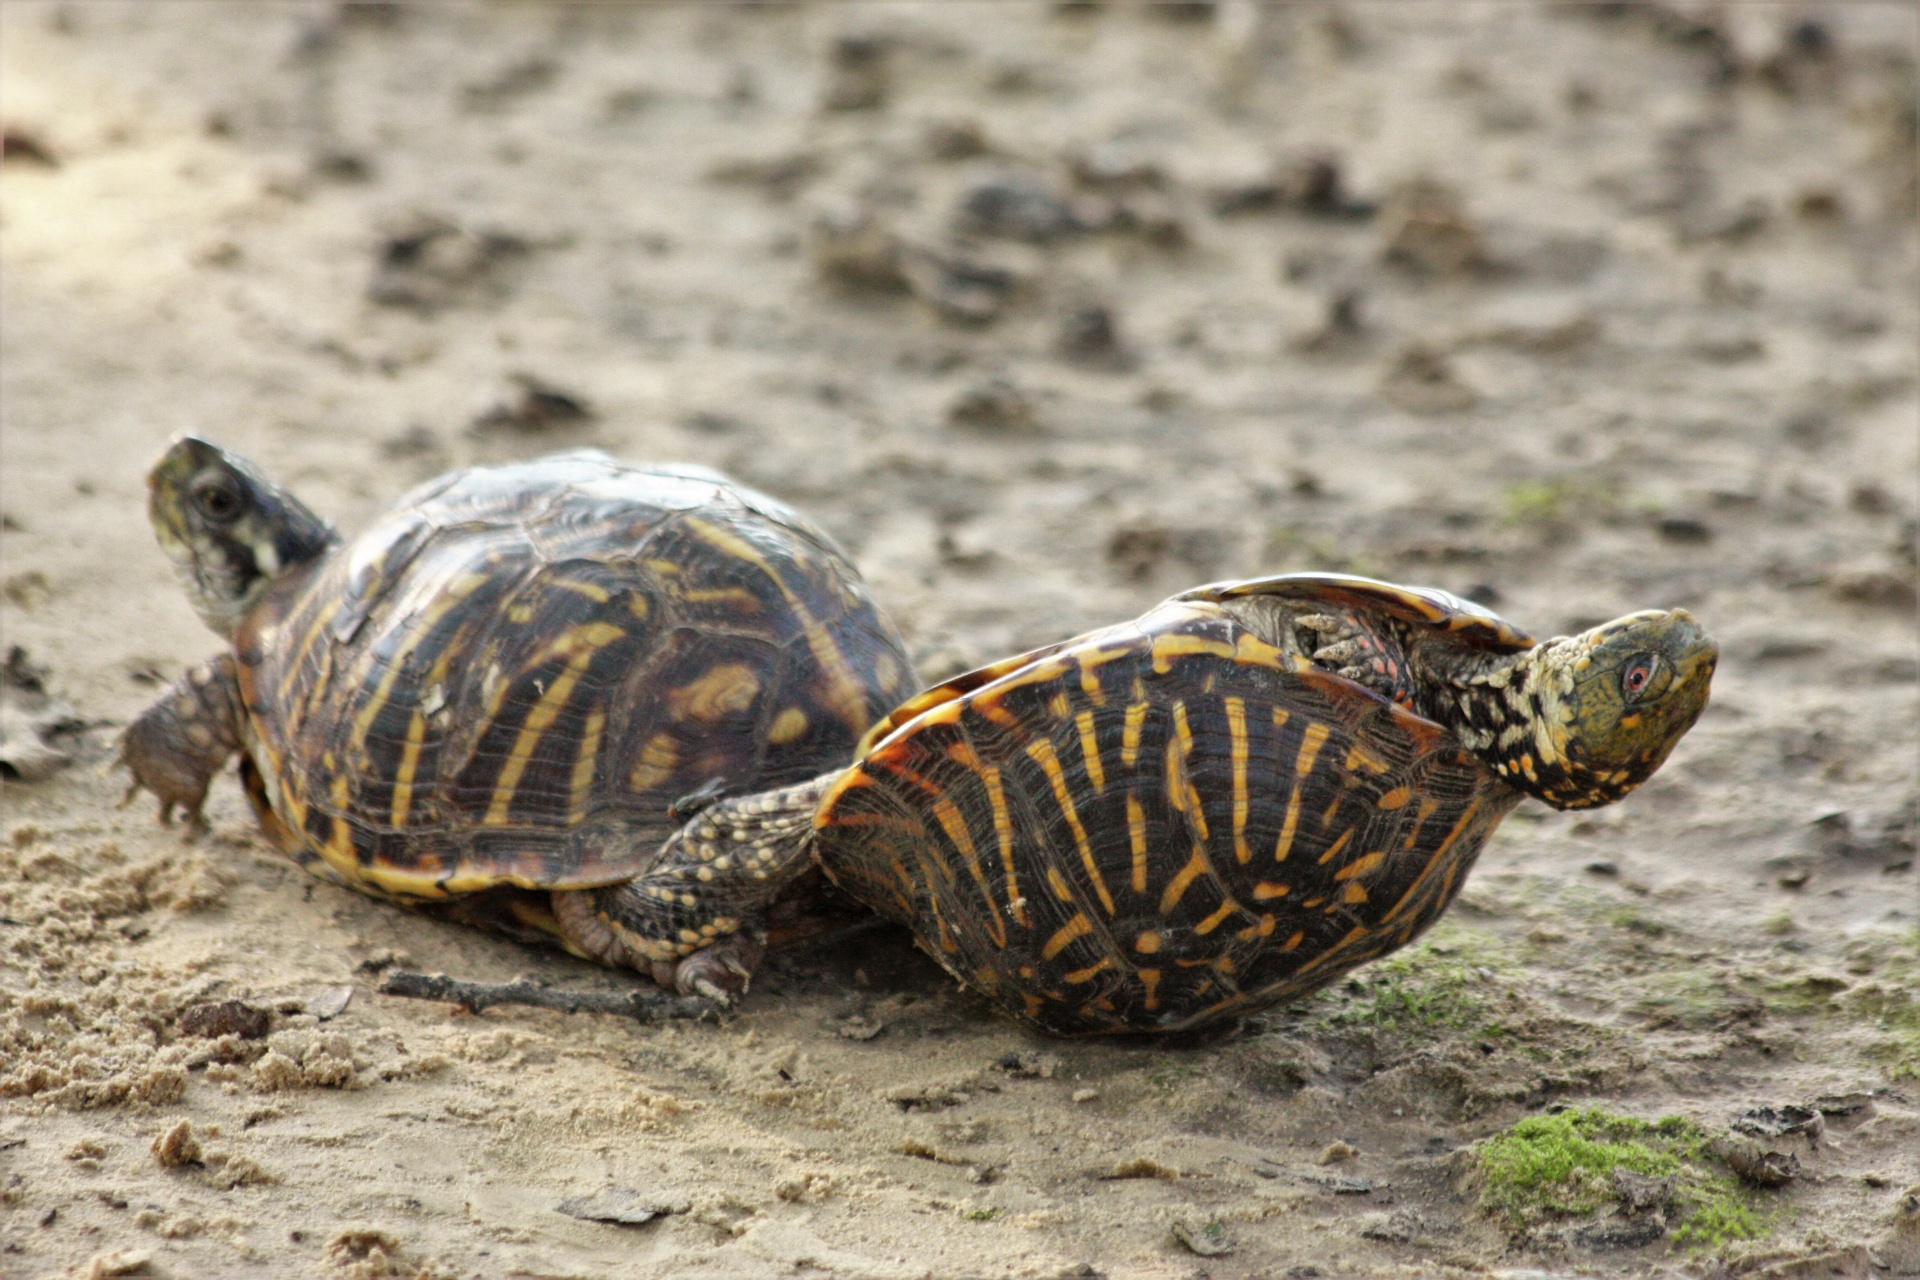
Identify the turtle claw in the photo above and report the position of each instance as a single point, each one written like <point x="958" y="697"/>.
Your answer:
<point x="720" y="972"/>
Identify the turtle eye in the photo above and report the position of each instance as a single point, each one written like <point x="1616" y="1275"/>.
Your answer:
<point x="1639" y="674"/>
<point x="218" y="498"/>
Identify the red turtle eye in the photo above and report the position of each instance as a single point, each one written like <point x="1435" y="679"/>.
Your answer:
<point x="1638" y="673"/>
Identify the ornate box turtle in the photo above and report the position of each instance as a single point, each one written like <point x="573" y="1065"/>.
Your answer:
<point x="507" y="693"/>
<point x="1228" y="802"/>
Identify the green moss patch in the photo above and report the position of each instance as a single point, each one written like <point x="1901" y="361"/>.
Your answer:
<point x="1562" y="1166"/>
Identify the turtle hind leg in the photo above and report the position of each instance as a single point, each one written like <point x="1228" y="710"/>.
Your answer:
<point x="694" y="920"/>
<point x="176" y="746"/>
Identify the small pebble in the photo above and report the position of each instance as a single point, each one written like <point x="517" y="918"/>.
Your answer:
<point x="1085" y="1095"/>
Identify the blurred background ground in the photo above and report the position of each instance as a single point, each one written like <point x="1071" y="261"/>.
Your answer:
<point x="1046" y="311"/>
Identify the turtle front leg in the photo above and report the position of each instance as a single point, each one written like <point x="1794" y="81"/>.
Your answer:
<point x="693" y="921"/>
<point x="1348" y="647"/>
<point x="176" y="746"/>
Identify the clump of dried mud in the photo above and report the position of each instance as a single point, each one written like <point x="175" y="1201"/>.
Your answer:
<point x="1046" y="311"/>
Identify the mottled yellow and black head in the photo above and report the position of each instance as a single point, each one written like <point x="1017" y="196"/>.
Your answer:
<point x="228" y="529"/>
<point x="1582" y="720"/>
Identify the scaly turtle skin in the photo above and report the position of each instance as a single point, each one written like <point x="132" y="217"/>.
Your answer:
<point x="1234" y="799"/>
<point x="515" y="686"/>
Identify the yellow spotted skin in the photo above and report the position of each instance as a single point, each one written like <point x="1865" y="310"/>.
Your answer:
<point x="1253" y="829"/>
<point x="509" y="679"/>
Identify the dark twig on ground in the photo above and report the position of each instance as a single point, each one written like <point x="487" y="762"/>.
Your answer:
<point x="645" y="1006"/>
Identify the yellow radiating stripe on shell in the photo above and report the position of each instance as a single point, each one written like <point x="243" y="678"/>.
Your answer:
<point x="1042" y="752"/>
<point x="1137" y="835"/>
<point x="403" y="775"/>
<point x="1079" y="976"/>
<point x="583" y="763"/>
<point x="1090" y="751"/>
<point x="1333" y="850"/>
<point x="1267" y="890"/>
<point x="1003" y="831"/>
<point x="1182" y="880"/>
<point x="397" y="663"/>
<point x="1394" y="799"/>
<point x="591" y="590"/>
<point x="1213" y="921"/>
<point x="1130" y="733"/>
<point x="656" y="762"/>
<point x="1181" y="792"/>
<point x="1439" y="856"/>
<point x="1237" y="732"/>
<point x="844" y="693"/>
<point x="1078" y="927"/>
<point x="1167" y="649"/>
<point x="728" y="595"/>
<point x="1150" y="980"/>
<point x="1284" y="845"/>
<point x="1359" y="757"/>
<point x="1310" y="743"/>
<point x="956" y="829"/>
<point x="1360" y="865"/>
<point x="578" y="645"/>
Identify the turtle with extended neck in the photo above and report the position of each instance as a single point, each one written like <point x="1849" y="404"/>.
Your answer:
<point x="501" y="698"/>
<point x="1226" y="803"/>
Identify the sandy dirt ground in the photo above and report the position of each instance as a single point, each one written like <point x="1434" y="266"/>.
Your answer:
<point x="1046" y="311"/>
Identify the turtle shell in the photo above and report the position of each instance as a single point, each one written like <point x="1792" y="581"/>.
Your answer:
<point x="512" y="677"/>
<point x="1460" y="620"/>
<point x="1159" y="824"/>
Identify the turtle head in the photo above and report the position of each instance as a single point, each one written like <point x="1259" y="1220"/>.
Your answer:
<point x="1604" y="708"/>
<point x="228" y="529"/>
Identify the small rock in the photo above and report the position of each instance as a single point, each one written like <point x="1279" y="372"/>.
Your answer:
<point x="1014" y="204"/>
<point x="426" y="262"/>
<point x="119" y="1262"/>
<point x="178" y="1146"/>
<point x="995" y="406"/>
<point x="622" y="1205"/>
<point x="1843" y="1104"/>
<point x="1763" y="1168"/>
<point x="1615" y="1234"/>
<point x="1085" y="1095"/>
<point x="1870" y="587"/>
<point x="855" y="250"/>
<point x="1336" y="1152"/>
<point x="19" y="146"/>
<point x="859" y="1027"/>
<point x="1089" y="336"/>
<point x="328" y="1002"/>
<point x="857" y="77"/>
<point x="211" y="1019"/>
<point x="1427" y="228"/>
<point x="1774" y="1122"/>
<point x="1423" y="381"/>
<point x="1343" y="1186"/>
<point x="1028" y="1066"/>
<point x="534" y="406"/>
<point x="1684" y="529"/>
<point x="1209" y="1239"/>
<point x="1400" y="1226"/>
<point x="1642" y="1193"/>
<point x="955" y="140"/>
